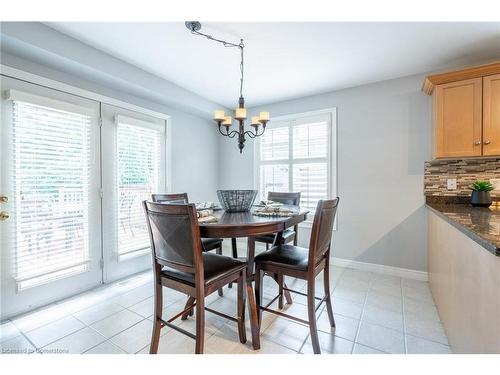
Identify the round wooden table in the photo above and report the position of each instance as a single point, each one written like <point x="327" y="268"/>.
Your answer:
<point x="246" y="224"/>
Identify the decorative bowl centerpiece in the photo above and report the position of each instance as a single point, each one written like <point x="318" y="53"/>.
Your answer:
<point x="236" y="200"/>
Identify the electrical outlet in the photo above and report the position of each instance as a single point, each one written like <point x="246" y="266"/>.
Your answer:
<point x="451" y="184"/>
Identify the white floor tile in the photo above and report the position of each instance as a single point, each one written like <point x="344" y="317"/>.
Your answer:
<point x="346" y="328"/>
<point x="286" y="333"/>
<point x="328" y="344"/>
<point x="116" y="323"/>
<point x="8" y="331"/>
<point x="384" y="301"/>
<point x="383" y="317"/>
<point x="417" y="345"/>
<point x="136" y="337"/>
<point x="381" y="338"/>
<point x="362" y="349"/>
<point x="17" y="345"/>
<point x="426" y="310"/>
<point x="426" y="329"/>
<point x="106" y="347"/>
<point x="39" y="317"/>
<point x="347" y="308"/>
<point x="54" y="331"/>
<point x="119" y="316"/>
<point x="75" y="343"/>
<point x="100" y="311"/>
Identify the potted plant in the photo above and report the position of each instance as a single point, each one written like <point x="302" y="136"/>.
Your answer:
<point x="481" y="193"/>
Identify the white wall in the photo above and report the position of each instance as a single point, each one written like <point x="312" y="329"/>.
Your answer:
<point x="384" y="135"/>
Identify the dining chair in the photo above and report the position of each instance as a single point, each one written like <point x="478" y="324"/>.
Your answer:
<point x="306" y="264"/>
<point x="288" y="235"/>
<point x="180" y="263"/>
<point x="182" y="198"/>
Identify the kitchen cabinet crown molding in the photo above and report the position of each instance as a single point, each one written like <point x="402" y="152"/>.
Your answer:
<point x="458" y="75"/>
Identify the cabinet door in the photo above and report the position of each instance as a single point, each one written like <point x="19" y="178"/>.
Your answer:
<point x="457" y="122"/>
<point x="491" y="115"/>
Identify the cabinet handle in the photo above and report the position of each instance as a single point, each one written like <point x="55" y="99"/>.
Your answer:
<point x="477" y="143"/>
<point x="4" y="199"/>
<point x="486" y="142"/>
<point x="3" y="215"/>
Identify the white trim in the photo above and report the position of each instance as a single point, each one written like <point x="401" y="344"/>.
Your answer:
<point x="8" y="71"/>
<point x="381" y="269"/>
<point x="129" y="120"/>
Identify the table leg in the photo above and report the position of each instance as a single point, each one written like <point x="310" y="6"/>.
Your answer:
<point x="254" y="321"/>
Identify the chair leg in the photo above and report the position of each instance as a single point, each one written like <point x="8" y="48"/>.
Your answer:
<point x="235" y="254"/>
<point x="242" y="281"/>
<point x="200" y="323"/>
<point x="259" y="277"/>
<point x="189" y="302"/>
<point x="311" y="312"/>
<point x="219" y="252"/>
<point x="296" y="237"/>
<point x="254" y="320"/>
<point x="326" y="285"/>
<point x="267" y="246"/>
<point x="158" y="305"/>
<point x="280" y="288"/>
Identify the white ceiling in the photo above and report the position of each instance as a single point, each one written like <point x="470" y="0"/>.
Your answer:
<point x="289" y="60"/>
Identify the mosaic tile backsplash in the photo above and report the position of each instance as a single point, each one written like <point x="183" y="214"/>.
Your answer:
<point x="464" y="170"/>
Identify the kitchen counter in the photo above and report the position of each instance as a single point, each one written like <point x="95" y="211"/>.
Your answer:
<point x="480" y="224"/>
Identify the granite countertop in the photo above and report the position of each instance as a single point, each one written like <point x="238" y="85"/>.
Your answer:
<point x="480" y="224"/>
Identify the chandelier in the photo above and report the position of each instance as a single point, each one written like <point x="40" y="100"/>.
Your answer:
<point x="225" y="122"/>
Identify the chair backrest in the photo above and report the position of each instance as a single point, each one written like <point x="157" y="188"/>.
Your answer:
<point x="292" y="199"/>
<point x="172" y="198"/>
<point x="175" y="236"/>
<point x="321" y="232"/>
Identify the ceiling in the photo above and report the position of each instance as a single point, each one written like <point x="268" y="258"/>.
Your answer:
<point x="285" y="60"/>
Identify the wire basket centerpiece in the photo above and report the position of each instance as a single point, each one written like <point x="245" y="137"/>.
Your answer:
<point x="236" y="200"/>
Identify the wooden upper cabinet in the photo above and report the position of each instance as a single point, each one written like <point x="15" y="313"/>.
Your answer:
<point x="457" y="121"/>
<point x="491" y="115"/>
<point x="466" y="111"/>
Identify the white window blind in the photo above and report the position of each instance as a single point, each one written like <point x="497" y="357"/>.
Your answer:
<point x="139" y="159"/>
<point x="294" y="155"/>
<point x="51" y="166"/>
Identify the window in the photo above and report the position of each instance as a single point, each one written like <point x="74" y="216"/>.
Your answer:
<point x="51" y="166"/>
<point x="139" y="153"/>
<point x="295" y="154"/>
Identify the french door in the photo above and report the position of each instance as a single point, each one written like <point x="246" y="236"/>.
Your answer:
<point x="133" y="168"/>
<point x="51" y="242"/>
<point x="75" y="172"/>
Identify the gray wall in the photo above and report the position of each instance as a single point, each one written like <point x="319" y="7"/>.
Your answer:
<point x="384" y="135"/>
<point x="194" y="143"/>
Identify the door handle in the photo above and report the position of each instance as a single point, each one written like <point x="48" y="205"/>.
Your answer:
<point x="3" y="215"/>
<point x="4" y="199"/>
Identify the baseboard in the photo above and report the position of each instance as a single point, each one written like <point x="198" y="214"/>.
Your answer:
<point x="354" y="264"/>
<point x="380" y="268"/>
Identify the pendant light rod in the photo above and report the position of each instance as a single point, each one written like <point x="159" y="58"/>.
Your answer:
<point x="195" y="26"/>
<point x="220" y="118"/>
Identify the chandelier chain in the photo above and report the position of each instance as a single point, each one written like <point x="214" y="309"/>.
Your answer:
<point x="241" y="46"/>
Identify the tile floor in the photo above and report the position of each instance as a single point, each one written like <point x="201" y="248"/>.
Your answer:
<point x="374" y="313"/>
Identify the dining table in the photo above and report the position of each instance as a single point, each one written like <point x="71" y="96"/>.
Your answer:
<point x="249" y="224"/>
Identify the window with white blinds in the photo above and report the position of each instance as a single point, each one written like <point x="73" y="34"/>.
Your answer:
<point x="295" y="155"/>
<point x="139" y="160"/>
<point x="51" y="167"/>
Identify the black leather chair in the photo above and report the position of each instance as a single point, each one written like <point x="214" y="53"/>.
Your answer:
<point x="180" y="263"/>
<point x="289" y="235"/>
<point x="294" y="261"/>
<point x="182" y="198"/>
